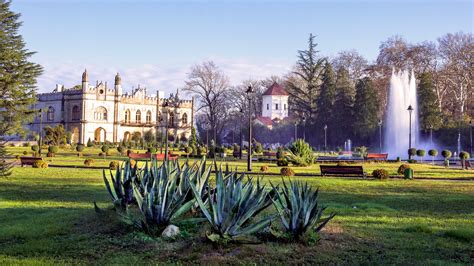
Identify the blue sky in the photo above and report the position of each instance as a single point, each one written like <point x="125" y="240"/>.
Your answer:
<point x="154" y="43"/>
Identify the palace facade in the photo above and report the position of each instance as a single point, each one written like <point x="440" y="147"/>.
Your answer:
<point x="102" y="114"/>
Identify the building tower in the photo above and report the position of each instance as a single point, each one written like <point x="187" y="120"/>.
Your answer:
<point x="85" y="81"/>
<point x="275" y="102"/>
<point x="117" y="97"/>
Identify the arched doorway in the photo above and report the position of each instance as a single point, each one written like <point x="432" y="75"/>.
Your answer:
<point x="99" y="135"/>
<point x="126" y="136"/>
<point x="75" y="135"/>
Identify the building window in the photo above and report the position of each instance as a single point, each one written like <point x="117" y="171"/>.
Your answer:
<point x="76" y="114"/>
<point x="148" y="117"/>
<point x="138" y="116"/>
<point x="100" y="114"/>
<point x="276" y="106"/>
<point x="158" y="117"/>
<point x="127" y="116"/>
<point x="50" y="114"/>
<point x="284" y="107"/>
<point x="184" y="119"/>
<point x="268" y="106"/>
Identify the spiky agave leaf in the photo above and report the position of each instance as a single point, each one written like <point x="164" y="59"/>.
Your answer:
<point x="233" y="205"/>
<point x="298" y="208"/>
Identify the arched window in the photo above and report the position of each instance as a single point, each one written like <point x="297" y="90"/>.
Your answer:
<point x="50" y="114"/>
<point x="184" y="119"/>
<point x="76" y="114"/>
<point x="171" y="119"/>
<point x="127" y="116"/>
<point x="100" y="114"/>
<point x="138" y="116"/>
<point x="148" y="117"/>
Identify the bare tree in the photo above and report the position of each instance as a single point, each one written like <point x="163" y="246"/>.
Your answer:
<point x="353" y="62"/>
<point x="210" y="86"/>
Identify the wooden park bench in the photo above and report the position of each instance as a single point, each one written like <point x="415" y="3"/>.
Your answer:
<point x="346" y="170"/>
<point x="147" y="156"/>
<point x="377" y="156"/>
<point x="29" y="160"/>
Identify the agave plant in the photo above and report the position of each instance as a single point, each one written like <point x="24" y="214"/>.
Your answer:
<point x="162" y="194"/>
<point x="232" y="205"/>
<point x="299" y="209"/>
<point x="122" y="193"/>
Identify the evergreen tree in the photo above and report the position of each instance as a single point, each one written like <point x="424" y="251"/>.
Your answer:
<point x="326" y="97"/>
<point x="193" y="138"/>
<point x="17" y="80"/>
<point x="343" y="107"/>
<point x="428" y="108"/>
<point x="366" y="106"/>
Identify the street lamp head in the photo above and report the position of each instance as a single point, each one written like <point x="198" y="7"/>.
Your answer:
<point x="325" y="127"/>
<point x="410" y="108"/>
<point x="249" y="90"/>
<point x="380" y="122"/>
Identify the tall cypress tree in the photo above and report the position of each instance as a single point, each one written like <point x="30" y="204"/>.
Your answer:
<point x="17" y="79"/>
<point x="428" y="108"/>
<point x="326" y="98"/>
<point x="343" y="106"/>
<point x="366" y="106"/>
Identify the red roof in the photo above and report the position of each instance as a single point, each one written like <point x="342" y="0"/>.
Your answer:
<point x="265" y="120"/>
<point x="275" y="89"/>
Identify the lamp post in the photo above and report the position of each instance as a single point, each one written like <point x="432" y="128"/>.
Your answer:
<point x="304" y="127"/>
<point x="410" y="110"/>
<point x="431" y="135"/>
<point x="241" y="135"/>
<point x="296" y="130"/>
<point x="325" y="137"/>
<point x="41" y="132"/>
<point x="380" y="135"/>
<point x="249" y="157"/>
<point x="470" y="125"/>
<point x="165" y="105"/>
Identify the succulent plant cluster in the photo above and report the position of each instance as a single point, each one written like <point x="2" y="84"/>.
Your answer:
<point x="159" y="194"/>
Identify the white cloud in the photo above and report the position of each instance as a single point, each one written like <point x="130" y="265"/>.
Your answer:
<point x="153" y="77"/>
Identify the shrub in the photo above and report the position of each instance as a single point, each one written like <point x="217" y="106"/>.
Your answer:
<point x="299" y="208"/>
<point x="151" y="150"/>
<point x="412" y="161"/>
<point x="26" y="144"/>
<point x="17" y="157"/>
<point x="302" y="153"/>
<point x="101" y="154"/>
<point x="113" y="165"/>
<point x="90" y="143"/>
<point x="105" y="149"/>
<point x="120" y="149"/>
<point x="40" y="164"/>
<point x="53" y="149"/>
<point x="446" y="154"/>
<point x="25" y="153"/>
<point x="402" y="168"/>
<point x="80" y="147"/>
<point x="236" y="151"/>
<point x="50" y="154"/>
<point x="362" y="150"/>
<point x="464" y="155"/>
<point x="287" y="171"/>
<point x="412" y="152"/>
<point x="258" y="147"/>
<point x="35" y="148"/>
<point x="264" y="168"/>
<point x="280" y="153"/>
<point x="188" y="150"/>
<point x="420" y="153"/>
<point x="380" y="174"/>
<point x="282" y="162"/>
<point x="433" y="153"/>
<point x="88" y="162"/>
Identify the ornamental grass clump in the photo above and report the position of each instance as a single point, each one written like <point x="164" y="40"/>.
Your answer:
<point x="88" y="162"/>
<point x="40" y="164"/>
<point x="402" y="168"/>
<point x="232" y="206"/>
<point x="381" y="174"/>
<point x="299" y="208"/>
<point x="301" y="153"/>
<point x="287" y="171"/>
<point x="264" y="168"/>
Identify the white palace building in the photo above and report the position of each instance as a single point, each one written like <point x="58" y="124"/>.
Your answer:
<point x="102" y="114"/>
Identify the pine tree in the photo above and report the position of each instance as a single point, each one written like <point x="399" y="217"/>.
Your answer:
<point x="366" y="107"/>
<point x="193" y="138"/>
<point x="17" y="80"/>
<point x="326" y="97"/>
<point x="429" y="113"/>
<point x="343" y="106"/>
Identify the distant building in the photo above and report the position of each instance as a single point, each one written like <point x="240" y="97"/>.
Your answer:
<point x="102" y="114"/>
<point x="274" y="106"/>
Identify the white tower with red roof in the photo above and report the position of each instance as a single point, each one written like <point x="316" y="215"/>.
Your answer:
<point x="275" y="102"/>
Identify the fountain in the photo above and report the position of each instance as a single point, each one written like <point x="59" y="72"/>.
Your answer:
<point x="402" y="93"/>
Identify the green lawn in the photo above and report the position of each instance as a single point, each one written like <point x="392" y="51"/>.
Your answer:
<point x="69" y="157"/>
<point x="47" y="216"/>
